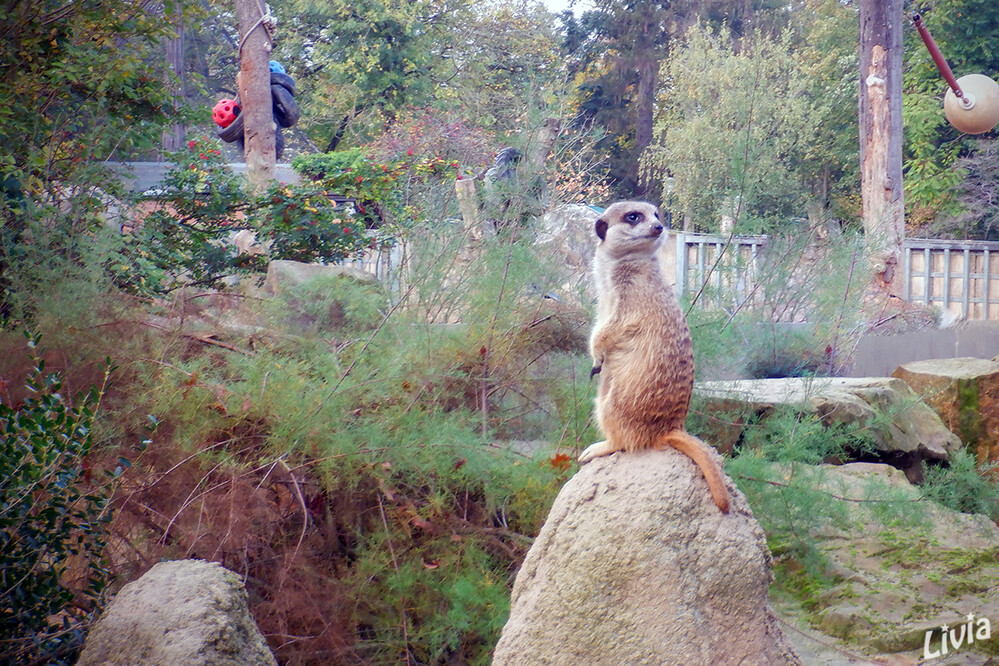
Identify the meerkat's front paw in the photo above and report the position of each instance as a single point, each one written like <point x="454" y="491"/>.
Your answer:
<point x="595" y="451"/>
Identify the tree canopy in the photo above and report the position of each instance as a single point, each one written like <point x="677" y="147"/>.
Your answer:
<point x="366" y="68"/>
<point x="79" y="80"/>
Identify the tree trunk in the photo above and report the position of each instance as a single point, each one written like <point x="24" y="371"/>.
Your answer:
<point x="645" y="96"/>
<point x="881" y="138"/>
<point x="340" y="131"/>
<point x="254" y="84"/>
<point x="172" y="138"/>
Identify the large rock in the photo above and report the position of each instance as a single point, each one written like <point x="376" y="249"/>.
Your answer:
<point x="899" y="572"/>
<point x="186" y="612"/>
<point x="636" y="565"/>
<point x="965" y="393"/>
<point x="904" y="429"/>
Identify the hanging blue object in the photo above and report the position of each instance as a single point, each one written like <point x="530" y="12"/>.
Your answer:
<point x="277" y="67"/>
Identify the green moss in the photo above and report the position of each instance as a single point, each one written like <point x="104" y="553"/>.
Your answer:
<point x="991" y="646"/>
<point x="794" y="581"/>
<point x="961" y="560"/>
<point x="969" y="415"/>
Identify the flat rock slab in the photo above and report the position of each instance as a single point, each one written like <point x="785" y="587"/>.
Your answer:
<point x="186" y="612"/>
<point x="885" y="407"/>
<point x="636" y="565"/>
<point x="964" y="392"/>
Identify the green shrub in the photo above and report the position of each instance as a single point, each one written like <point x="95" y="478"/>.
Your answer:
<point x="185" y="237"/>
<point x="393" y="423"/>
<point x="352" y="173"/>
<point x="332" y="302"/>
<point x="964" y="485"/>
<point x="777" y="464"/>
<point x="303" y="223"/>
<point x="800" y="313"/>
<point x="53" y="522"/>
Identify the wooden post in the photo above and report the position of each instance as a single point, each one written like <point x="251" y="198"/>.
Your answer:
<point x="881" y="138"/>
<point x="541" y="146"/>
<point x="254" y="84"/>
<point x="468" y="204"/>
<point x="533" y="188"/>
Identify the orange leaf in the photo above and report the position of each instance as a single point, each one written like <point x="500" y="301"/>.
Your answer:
<point x="560" y="461"/>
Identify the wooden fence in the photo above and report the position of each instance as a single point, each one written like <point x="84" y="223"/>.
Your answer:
<point x="960" y="276"/>
<point x="732" y="278"/>
<point x="384" y="263"/>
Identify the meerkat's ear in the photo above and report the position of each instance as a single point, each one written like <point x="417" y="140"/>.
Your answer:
<point x="601" y="228"/>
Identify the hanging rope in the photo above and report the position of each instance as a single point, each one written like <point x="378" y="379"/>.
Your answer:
<point x="268" y="20"/>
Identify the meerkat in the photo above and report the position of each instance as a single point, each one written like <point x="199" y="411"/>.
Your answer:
<point x="641" y="346"/>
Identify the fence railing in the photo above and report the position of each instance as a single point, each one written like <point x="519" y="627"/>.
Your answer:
<point x="384" y="263"/>
<point x="960" y="276"/>
<point x="724" y="268"/>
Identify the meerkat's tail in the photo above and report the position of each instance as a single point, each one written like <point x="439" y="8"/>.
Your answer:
<point x="696" y="450"/>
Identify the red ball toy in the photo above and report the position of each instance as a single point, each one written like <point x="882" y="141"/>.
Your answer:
<point x="225" y="112"/>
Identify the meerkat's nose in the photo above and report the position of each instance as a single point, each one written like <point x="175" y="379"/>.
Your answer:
<point x="657" y="228"/>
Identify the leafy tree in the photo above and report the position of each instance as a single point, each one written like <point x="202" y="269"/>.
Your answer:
<point x="504" y="65"/>
<point x="363" y="60"/>
<point x="362" y="64"/>
<point x="736" y="129"/>
<point x="78" y="81"/>
<point x="979" y="195"/>
<point x="615" y="54"/>
<point x="825" y="41"/>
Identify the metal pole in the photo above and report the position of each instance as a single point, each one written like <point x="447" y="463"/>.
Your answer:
<point x="938" y="58"/>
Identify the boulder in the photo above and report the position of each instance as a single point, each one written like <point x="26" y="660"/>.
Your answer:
<point x="896" y="574"/>
<point x="184" y="612"/>
<point x="965" y="394"/>
<point x="636" y="565"/>
<point x="283" y="272"/>
<point x="904" y="429"/>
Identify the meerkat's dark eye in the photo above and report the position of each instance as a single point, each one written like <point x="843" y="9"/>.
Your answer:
<point x="633" y="218"/>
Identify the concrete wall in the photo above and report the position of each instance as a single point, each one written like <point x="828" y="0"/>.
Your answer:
<point x="142" y="176"/>
<point x="878" y="356"/>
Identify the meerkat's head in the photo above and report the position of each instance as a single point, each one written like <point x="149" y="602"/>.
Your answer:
<point x="629" y="227"/>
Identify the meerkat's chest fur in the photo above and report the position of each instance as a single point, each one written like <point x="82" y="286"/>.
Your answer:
<point x="648" y="325"/>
